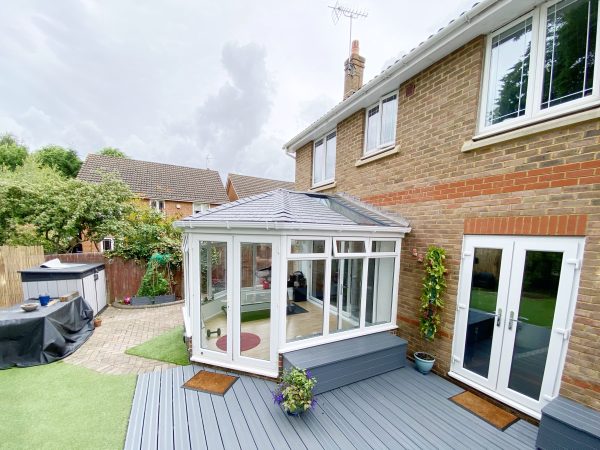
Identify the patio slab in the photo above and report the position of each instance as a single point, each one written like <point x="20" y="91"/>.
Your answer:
<point x="399" y="409"/>
<point x="121" y="329"/>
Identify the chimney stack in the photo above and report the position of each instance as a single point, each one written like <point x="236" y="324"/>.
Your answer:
<point x="353" y="71"/>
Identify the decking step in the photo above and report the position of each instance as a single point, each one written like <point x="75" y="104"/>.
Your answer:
<point x="337" y="364"/>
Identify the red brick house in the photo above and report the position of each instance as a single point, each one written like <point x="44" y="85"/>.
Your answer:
<point x="486" y="138"/>
<point x="177" y="191"/>
<point x="241" y="186"/>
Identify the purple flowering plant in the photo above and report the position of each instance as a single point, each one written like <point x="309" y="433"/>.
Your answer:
<point x="295" y="391"/>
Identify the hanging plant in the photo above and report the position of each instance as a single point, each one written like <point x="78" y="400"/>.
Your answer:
<point x="434" y="285"/>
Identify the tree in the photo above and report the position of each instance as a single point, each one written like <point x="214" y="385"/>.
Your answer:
<point x="112" y="151"/>
<point x="12" y="154"/>
<point x="37" y="204"/>
<point x="144" y="232"/>
<point x="65" y="161"/>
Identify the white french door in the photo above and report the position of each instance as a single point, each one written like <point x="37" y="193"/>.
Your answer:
<point x="255" y="307"/>
<point x="514" y="312"/>
<point x="235" y="286"/>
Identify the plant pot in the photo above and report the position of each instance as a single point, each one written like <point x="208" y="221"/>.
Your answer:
<point x="424" y="362"/>
<point x="97" y="322"/>
<point x="295" y="413"/>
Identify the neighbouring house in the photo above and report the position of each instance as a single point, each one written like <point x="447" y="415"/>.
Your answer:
<point x="176" y="191"/>
<point x="241" y="186"/>
<point x="486" y="139"/>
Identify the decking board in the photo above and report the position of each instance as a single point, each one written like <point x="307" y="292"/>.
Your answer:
<point x="398" y="409"/>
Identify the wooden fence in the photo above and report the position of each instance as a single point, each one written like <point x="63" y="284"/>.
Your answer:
<point x="122" y="277"/>
<point x="13" y="259"/>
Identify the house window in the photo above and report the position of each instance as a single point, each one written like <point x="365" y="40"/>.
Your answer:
<point x="107" y="244"/>
<point x="541" y="64"/>
<point x="381" y="124"/>
<point x="200" y="207"/>
<point x="158" y="205"/>
<point x="324" y="159"/>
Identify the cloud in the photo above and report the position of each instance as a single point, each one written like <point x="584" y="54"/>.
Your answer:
<point x="230" y="120"/>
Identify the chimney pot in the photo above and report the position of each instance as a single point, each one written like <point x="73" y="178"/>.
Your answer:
<point x="355" y="47"/>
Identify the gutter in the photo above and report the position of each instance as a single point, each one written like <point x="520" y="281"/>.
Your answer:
<point x="395" y="71"/>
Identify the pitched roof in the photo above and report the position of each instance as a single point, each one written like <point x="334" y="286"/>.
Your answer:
<point x="285" y="207"/>
<point x="156" y="180"/>
<point x="482" y="18"/>
<point x="246" y="186"/>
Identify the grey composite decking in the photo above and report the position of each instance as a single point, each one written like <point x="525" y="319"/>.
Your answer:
<point x="399" y="409"/>
<point x="337" y="364"/>
<point x="567" y="424"/>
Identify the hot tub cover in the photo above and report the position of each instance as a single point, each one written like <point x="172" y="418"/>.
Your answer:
<point x="45" y="335"/>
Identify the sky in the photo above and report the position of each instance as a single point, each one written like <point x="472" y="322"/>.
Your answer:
<point x="217" y="84"/>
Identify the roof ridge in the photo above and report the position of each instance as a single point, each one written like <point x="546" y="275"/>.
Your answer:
<point x="259" y="178"/>
<point x="118" y="158"/>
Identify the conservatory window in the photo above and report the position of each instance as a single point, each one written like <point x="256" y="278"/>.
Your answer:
<point x="349" y="247"/>
<point x="305" y="294"/>
<point x="213" y="292"/>
<point x="307" y="246"/>
<point x="346" y="294"/>
<point x="380" y="291"/>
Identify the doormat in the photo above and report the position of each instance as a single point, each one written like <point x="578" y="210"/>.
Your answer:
<point x="247" y="342"/>
<point x="295" y="309"/>
<point x="210" y="382"/>
<point x="487" y="411"/>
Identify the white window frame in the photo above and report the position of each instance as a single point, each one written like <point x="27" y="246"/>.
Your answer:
<point x="339" y="254"/>
<point x="533" y="111"/>
<point x="202" y="207"/>
<point x="155" y="205"/>
<point x="380" y="146"/>
<point x="314" y="160"/>
<point x="112" y="244"/>
<point x="300" y="256"/>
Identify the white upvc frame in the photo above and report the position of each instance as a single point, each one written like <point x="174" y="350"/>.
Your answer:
<point x="339" y="254"/>
<point x="155" y="205"/>
<point x="202" y="207"/>
<point x="380" y="147"/>
<point x="300" y="256"/>
<point x="325" y="180"/>
<point x="517" y="246"/>
<point x="533" y="111"/>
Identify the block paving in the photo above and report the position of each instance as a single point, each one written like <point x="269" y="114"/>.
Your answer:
<point x="121" y="329"/>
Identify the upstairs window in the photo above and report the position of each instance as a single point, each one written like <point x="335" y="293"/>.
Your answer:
<point x="541" y="64"/>
<point x="158" y="205"/>
<point x="200" y="207"/>
<point x="324" y="159"/>
<point x="107" y="244"/>
<point x="380" y="128"/>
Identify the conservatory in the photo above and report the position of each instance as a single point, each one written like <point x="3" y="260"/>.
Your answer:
<point x="287" y="270"/>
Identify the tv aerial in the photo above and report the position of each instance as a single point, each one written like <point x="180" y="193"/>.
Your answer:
<point x="338" y="11"/>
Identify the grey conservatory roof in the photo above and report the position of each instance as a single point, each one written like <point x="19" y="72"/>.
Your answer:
<point x="282" y="208"/>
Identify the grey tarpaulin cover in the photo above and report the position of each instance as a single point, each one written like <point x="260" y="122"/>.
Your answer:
<point x="45" y="335"/>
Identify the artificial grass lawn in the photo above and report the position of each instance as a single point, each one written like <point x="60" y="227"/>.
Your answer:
<point x="168" y="347"/>
<point x="60" y="406"/>
<point x="539" y="311"/>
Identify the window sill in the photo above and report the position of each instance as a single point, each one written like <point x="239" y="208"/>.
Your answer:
<point x="376" y="156"/>
<point x="323" y="187"/>
<point x="482" y="141"/>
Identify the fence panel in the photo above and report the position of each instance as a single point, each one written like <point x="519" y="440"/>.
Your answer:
<point x="123" y="277"/>
<point x="13" y="259"/>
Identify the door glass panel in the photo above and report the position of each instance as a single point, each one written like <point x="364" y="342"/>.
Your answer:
<point x="255" y="300"/>
<point x="380" y="290"/>
<point x="346" y="288"/>
<point x="304" y="312"/>
<point x="213" y="295"/>
<point x="482" y="310"/>
<point x="534" y="325"/>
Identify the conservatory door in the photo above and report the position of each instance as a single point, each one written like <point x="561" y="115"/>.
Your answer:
<point x="513" y="317"/>
<point x="256" y="284"/>
<point x="212" y="293"/>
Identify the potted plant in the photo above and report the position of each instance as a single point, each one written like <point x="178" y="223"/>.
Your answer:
<point x="295" y="391"/>
<point x="156" y="283"/>
<point x="434" y="285"/>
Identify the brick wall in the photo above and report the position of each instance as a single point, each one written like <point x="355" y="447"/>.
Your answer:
<point x="512" y="187"/>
